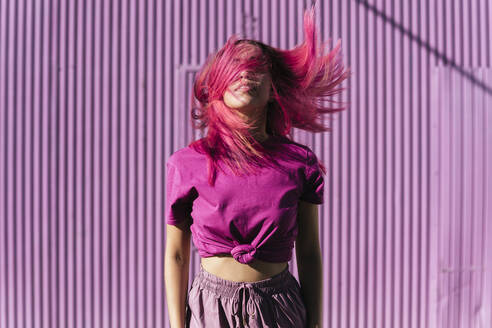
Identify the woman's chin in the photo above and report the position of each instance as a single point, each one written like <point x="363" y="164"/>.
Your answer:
<point x="240" y="101"/>
<point x="243" y="108"/>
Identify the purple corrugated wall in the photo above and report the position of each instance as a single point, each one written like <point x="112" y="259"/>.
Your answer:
<point x="93" y="100"/>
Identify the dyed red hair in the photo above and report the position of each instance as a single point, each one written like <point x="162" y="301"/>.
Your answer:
<point x="301" y="79"/>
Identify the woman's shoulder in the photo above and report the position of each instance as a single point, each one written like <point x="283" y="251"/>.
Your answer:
<point x="301" y="148"/>
<point x="182" y="156"/>
<point x="189" y="154"/>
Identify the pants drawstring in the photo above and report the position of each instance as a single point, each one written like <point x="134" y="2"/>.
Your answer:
<point x="248" y="307"/>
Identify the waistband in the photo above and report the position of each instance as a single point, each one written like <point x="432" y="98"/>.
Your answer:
<point x="228" y="288"/>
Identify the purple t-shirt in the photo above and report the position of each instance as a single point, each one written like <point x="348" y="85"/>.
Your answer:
<point x="248" y="217"/>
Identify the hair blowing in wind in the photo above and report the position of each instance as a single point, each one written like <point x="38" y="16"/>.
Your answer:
<point x="304" y="79"/>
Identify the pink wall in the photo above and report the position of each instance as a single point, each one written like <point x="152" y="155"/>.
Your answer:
<point x="93" y="99"/>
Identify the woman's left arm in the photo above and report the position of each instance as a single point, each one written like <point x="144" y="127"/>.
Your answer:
<point x="309" y="263"/>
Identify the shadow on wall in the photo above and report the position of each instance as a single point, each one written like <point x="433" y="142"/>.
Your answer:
<point x="430" y="49"/>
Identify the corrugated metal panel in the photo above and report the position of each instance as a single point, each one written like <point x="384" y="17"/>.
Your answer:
<point x="93" y="99"/>
<point x="461" y="197"/>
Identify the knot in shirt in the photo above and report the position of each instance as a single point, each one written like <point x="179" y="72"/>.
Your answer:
<point x="243" y="253"/>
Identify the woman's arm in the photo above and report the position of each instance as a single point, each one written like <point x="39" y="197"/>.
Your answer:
<point x="176" y="271"/>
<point x="309" y="264"/>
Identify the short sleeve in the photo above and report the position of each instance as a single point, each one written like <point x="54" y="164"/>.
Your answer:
<point x="313" y="190"/>
<point x="179" y="197"/>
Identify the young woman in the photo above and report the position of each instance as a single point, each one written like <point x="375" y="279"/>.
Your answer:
<point x="246" y="192"/>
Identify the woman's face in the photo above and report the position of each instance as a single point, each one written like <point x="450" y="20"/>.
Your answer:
<point x="252" y="91"/>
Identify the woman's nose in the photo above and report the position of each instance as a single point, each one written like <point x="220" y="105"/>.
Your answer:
<point x="248" y="76"/>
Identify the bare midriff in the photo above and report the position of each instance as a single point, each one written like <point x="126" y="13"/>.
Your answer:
<point x="226" y="267"/>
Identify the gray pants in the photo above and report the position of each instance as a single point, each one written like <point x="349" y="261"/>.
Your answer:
<point x="272" y="302"/>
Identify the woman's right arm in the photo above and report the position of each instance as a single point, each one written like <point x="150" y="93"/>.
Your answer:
<point x="176" y="271"/>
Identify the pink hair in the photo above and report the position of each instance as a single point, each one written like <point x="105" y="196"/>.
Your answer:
<point x="301" y="78"/>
